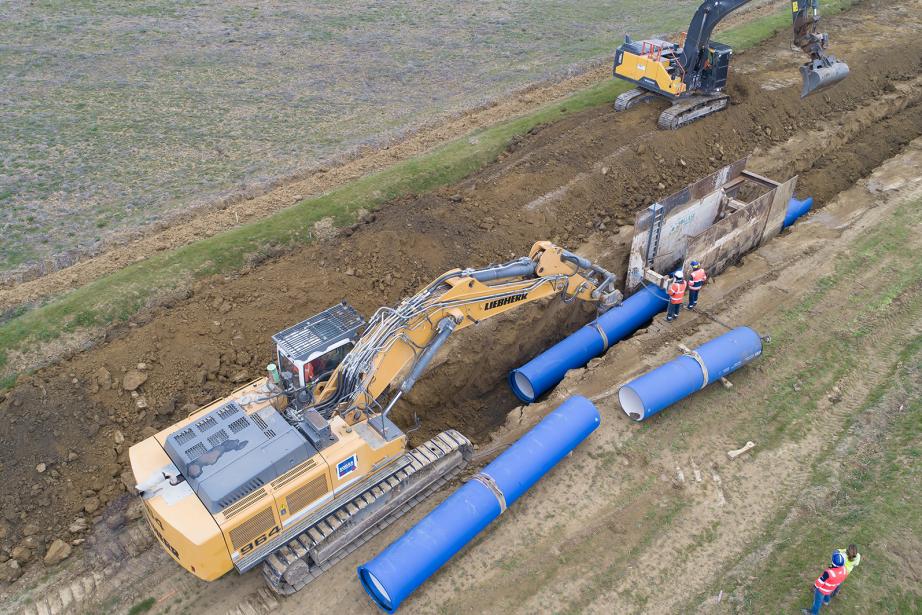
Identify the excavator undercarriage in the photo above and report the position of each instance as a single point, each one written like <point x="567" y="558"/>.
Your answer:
<point x="307" y="551"/>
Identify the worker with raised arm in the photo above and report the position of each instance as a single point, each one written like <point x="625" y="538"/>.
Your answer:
<point x="852" y="559"/>
<point x="676" y="292"/>
<point x="698" y="278"/>
<point x="827" y="584"/>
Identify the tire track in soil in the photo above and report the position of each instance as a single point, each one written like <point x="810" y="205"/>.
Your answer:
<point x="195" y="347"/>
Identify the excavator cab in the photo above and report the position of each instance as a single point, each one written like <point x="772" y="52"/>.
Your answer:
<point x="309" y="351"/>
<point x="716" y="67"/>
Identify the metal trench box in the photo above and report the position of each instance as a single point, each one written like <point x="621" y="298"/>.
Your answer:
<point x="714" y="221"/>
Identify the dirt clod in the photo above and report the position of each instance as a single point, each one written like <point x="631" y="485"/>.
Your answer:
<point x="91" y="505"/>
<point x="21" y="554"/>
<point x="133" y="379"/>
<point x="57" y="552"/>
<point x="10" y="571"/>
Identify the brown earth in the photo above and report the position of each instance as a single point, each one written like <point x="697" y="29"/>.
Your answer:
<point x="574" y="182"/>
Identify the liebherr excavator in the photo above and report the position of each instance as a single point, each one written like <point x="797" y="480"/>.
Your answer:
<point x="295" y="470"/>
<point x="692" y="74"/>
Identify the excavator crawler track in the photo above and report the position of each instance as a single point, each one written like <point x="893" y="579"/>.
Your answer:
<point x="339" y="530"/>
<point x="634" y="97"/>
<point x="692" y="108"/>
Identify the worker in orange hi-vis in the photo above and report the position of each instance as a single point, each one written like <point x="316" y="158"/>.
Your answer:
<point x="826" y="586"/>
<point x="676" y="292"/>
<point x="698" y="278"/>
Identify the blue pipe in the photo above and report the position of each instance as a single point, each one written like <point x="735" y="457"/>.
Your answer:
<point x="403" y="566"/>
<point x="547" y="369"/>
<point x="648" y="394"/>
<point x="795" y="210"/>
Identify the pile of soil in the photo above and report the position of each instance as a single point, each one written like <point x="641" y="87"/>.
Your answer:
<point x="586" y="175"/>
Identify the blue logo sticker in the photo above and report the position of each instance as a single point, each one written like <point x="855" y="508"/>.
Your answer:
<point x="347" y="466"/>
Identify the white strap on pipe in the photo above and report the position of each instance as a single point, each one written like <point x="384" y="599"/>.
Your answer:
<point x="487" y="481"/>
<point x="602" y="333"/>
<point x="697" y="357"/>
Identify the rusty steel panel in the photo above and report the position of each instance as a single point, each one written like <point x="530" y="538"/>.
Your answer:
<point x="692" y="192"/>
<point x="779" y="209"/>
<point x="727" y="240"/>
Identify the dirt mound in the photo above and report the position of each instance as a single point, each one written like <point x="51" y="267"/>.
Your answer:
<point x="581" y="177"/>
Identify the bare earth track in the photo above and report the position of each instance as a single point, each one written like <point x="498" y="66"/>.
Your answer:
<point x="576" y="182"/>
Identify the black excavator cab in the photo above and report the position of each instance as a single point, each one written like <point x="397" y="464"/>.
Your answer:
<point x="716" y="67"/>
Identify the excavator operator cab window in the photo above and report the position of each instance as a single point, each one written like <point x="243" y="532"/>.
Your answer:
<point x="716" y="67"/>
<point x="313" y="348"/>
<point x="321" y="367"/>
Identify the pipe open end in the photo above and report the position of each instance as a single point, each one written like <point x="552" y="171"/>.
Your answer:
<point x="522" y="387"/>
<point x="631" y="403"/>
<point x="375" y="589"/>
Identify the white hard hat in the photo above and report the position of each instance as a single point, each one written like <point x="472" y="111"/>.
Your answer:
<point x="678" y="275"/>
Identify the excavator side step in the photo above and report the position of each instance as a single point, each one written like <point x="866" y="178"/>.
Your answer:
<point x="416" y="474"/>
<point x="691" y="108"/>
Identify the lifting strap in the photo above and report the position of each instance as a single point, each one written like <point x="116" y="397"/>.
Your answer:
<point x="697" y="357"/>
<point x="487" y="481"/>
<point x="602" y="333"/>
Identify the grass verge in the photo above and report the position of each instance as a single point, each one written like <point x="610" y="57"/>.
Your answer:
<point x="865" y="485"/>
<point x="120" y="295"/>
<point x="872" y="501"/>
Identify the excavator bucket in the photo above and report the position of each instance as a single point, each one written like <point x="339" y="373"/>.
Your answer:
<point x="821" y="74"/>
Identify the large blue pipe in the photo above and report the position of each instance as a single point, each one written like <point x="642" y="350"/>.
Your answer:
<point x="547" y="369"/>
<point x="795" y="210"/>
<point x="406" y="564"/>
<point x="648" y="394"/>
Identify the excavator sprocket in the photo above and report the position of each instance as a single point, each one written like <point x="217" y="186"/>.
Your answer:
<point x="369" y="508"/>
<point x="691" y="108"/>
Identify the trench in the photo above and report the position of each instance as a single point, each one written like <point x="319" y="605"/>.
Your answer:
<point x="468" y="389"/>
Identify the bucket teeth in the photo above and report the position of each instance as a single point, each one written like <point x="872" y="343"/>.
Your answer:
<point x="821" y="74"/>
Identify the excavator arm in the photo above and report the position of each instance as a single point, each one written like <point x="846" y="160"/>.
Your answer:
<point x="400" y="342"/>
<point x="821" y="71"/>
<point x="693" y="74"/>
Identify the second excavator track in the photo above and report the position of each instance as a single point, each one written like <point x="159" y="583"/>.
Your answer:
<point x="634" y="97"/>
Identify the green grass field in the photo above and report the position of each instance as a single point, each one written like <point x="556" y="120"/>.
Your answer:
<point x="865" y="486"/>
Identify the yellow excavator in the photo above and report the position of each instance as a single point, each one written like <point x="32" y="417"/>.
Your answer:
<point x="295" y="470"/>
<point x="692" y="74"/>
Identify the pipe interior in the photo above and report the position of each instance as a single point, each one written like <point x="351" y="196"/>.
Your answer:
<point x="379" y="588"/>
<point x="631" y="403"/>
<point x="524" y="386"/>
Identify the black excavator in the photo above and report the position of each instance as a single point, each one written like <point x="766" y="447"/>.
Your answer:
<point x="692" y="74"/>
